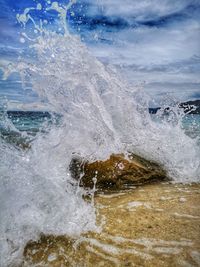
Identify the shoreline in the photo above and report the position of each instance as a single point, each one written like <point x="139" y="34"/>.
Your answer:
<point x="151" y="225"/>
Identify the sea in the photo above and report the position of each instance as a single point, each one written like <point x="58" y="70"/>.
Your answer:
<point x="94" y="114"/>
<point x="20" y="128"/>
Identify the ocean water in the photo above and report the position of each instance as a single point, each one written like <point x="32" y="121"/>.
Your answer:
<point x="20" y="128"/>
<point x="191" y="125"/>
<point x="95" y="114"/>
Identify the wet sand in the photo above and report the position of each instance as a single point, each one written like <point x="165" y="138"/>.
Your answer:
<point x="152" y="225"/>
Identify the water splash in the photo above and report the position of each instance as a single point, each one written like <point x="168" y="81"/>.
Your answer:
<point x="100" y="115"/>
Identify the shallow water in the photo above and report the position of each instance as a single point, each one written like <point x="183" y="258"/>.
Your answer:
<point x="151" y="225"/>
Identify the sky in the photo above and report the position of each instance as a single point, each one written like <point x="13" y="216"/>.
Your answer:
<point x="153" y="43"/>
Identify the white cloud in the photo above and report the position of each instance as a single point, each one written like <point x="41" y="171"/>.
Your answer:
<point x="142" y="9"/>
<point x="144" y="45"/>
<point x="163" y="54"/>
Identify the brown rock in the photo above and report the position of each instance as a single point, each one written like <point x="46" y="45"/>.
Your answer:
<point x="116" y="172"/>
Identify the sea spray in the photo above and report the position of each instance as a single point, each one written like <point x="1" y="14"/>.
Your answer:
<point x="100" y="115"/>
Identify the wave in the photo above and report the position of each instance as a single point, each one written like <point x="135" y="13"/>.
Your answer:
<point x="101" y="115"/>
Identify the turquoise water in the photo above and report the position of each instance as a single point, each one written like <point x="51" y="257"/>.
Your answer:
<point x="191" y="125"/>
<point x="21" y="127"/>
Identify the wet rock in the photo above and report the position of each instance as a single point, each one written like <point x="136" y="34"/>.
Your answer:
<point x="49" y="250"/>
<point x="117" y="172"/>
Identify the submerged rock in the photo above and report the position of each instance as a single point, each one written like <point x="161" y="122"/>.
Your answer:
<point x="116" y="172"/>
<point x="136" y="229"/>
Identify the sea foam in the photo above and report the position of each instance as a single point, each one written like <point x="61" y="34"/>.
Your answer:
<point x="101" y="115"/>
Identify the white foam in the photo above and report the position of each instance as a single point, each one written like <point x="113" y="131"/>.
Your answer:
<point x="100" y="115"/>
<point x="136" y="204"/>
<point x="187" y="216"/>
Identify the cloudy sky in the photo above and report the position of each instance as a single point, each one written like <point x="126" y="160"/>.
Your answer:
<point x="151" y="42"/>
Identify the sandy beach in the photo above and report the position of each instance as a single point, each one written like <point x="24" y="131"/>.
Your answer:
<point x="151" y="225"/>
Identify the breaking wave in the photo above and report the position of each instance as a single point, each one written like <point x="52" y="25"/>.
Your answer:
<point x="100" y="114"/>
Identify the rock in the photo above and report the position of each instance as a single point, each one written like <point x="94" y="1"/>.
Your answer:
<point x="117" y="172"/>
<point x="49" y="250"/>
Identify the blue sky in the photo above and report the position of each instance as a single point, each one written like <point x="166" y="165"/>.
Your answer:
<point x="154" y="42"/>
